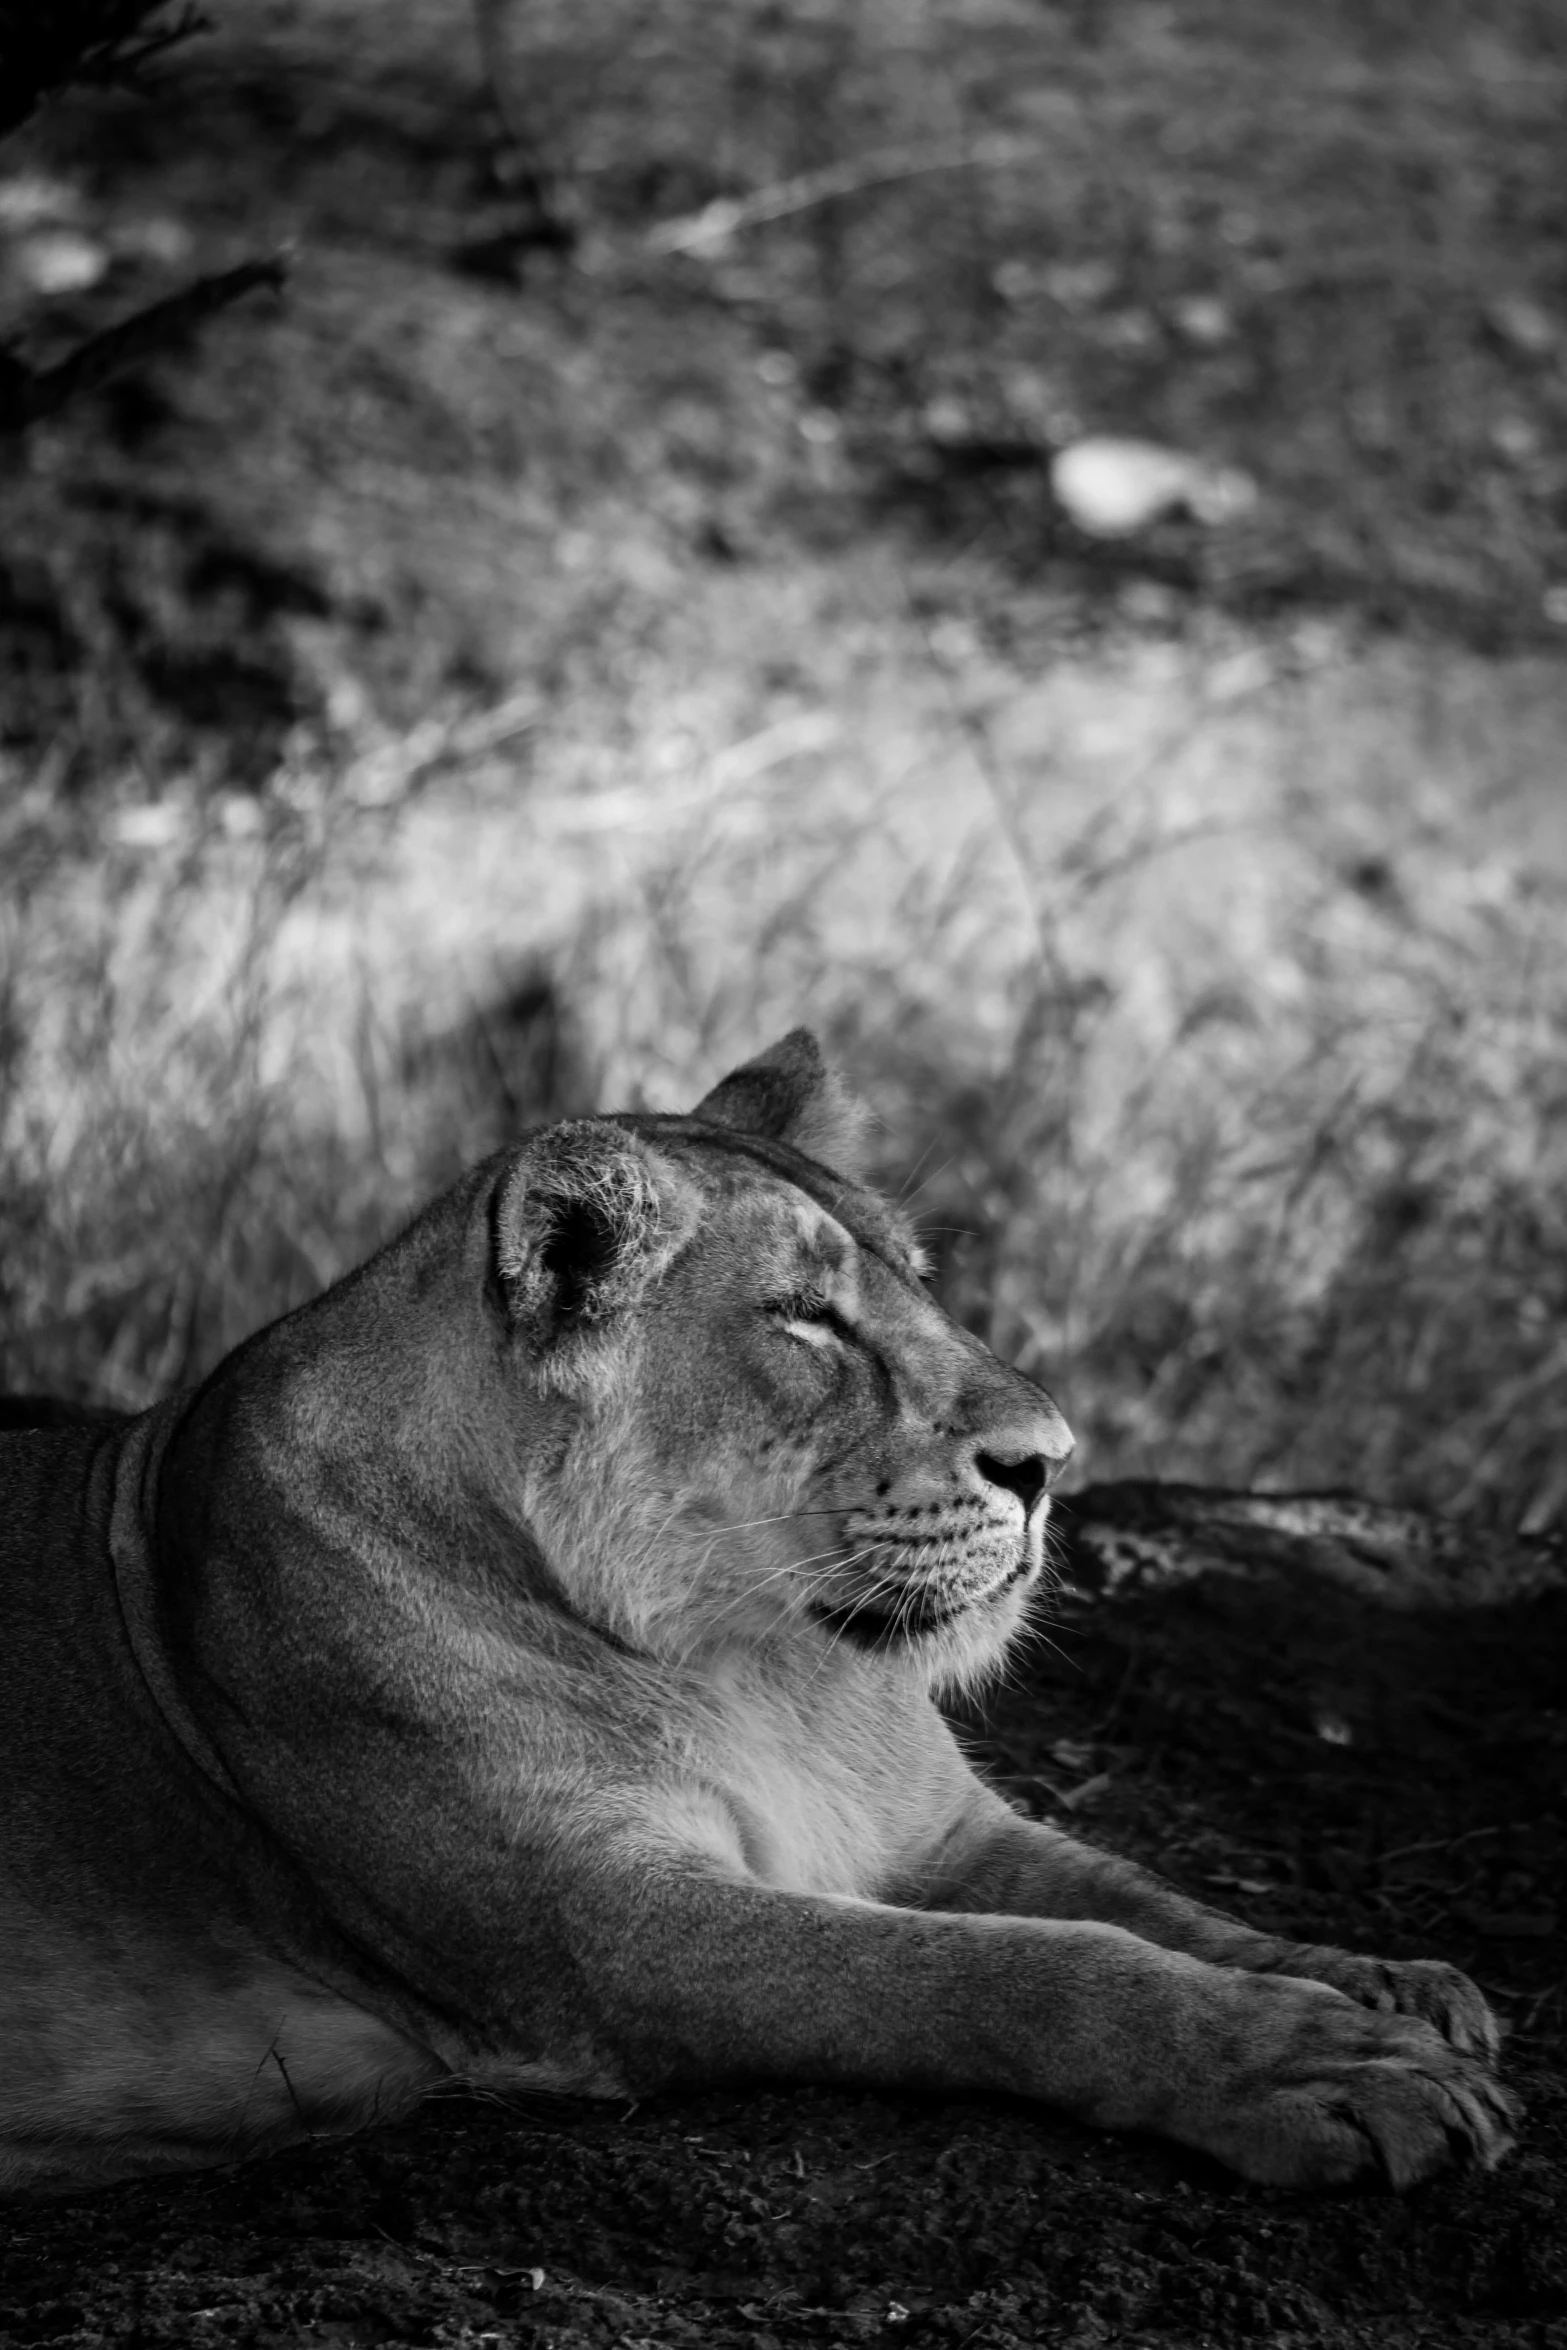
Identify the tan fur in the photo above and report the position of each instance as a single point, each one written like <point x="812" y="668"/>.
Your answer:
<point x="518" y="1666"/>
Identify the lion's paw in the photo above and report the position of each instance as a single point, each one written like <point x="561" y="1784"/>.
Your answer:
<point x="1423" y="1987"/>
<point x="1348" y="2094"/>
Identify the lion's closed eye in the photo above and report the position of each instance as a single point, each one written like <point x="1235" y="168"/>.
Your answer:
<point x="808" y="1316"/>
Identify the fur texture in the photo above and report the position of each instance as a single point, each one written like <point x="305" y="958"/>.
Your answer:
<point x="518" y="1666"/>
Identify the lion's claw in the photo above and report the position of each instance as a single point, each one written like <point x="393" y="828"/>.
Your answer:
<point x="1350" y="2091"/>
<point x="1424" y="1987"/>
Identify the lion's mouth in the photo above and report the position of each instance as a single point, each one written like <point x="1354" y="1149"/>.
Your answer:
<point x="910" y="1614"/>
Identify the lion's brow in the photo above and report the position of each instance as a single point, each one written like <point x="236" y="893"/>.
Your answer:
<point x="843" y="1199"/>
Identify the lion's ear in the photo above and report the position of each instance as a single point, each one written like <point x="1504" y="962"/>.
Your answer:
<point x="585" y="1217"/>
<point x="788" y="1094"/>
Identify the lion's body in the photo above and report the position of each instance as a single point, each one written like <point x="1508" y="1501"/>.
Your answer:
<point x="147" y="1929"/>
<point x="517" y="1667"/>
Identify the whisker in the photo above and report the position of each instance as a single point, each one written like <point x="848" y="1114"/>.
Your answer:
<point x="782" y="1518"/>
<point x="1031" y="1634"/>
<point x="906" y="1199"/>
<point x="838" y="1632"/>
<point x="749" y="1525"/>
<point x="827" y="1560"/>
<point x="811" y="1582"/>
<point x="814" y="1570"/>
<point x="903" y="1188"/>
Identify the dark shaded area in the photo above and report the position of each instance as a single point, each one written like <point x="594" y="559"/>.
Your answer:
<point x="80" y="43"/>
<point x="1331" y="253"/>
<point x="49" y="1411"/>
<point x="1188" y="1729"/>
<point x="136" y="626"/>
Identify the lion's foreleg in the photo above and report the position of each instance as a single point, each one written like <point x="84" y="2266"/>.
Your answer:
<point x="700" y="1977"/>
<point x="1001" y="1863"/>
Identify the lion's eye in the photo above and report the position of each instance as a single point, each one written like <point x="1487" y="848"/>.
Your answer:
<point x="808" y="1316"/>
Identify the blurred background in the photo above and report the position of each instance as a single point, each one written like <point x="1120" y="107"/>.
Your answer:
<point x="1030" y="535"/>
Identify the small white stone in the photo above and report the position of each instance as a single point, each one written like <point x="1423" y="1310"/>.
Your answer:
<point x="59" y="261"/>
<point x="1524" y="323"/>
<point x="1204" y="319"/>
<point x="1112" y="487"/>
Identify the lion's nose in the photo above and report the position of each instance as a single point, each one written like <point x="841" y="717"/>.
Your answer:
<point x="1027" y="1474"/>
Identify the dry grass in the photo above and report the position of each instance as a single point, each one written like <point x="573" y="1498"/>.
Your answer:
<point x="1232" y="1107"/>
<point x="639" y="672"/>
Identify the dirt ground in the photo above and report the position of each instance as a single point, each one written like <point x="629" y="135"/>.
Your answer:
<point x="1392" y="1783"/>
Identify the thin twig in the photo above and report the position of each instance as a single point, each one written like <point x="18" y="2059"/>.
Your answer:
<point x="728" y="216"/>
<point x="28" y="395"/>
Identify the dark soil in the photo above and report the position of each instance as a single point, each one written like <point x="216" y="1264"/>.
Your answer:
<point x="1392" y="1783"/>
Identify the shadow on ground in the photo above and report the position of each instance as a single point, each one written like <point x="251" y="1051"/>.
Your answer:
<point x="1390" y="1782"/>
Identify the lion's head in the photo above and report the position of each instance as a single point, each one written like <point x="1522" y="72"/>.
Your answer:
<point x="746" y="1416"/>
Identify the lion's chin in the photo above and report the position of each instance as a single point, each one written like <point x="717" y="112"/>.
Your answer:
<point x="916" y="1613"/>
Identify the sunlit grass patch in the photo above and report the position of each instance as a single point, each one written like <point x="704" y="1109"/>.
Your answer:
<point x="1207" y="1000"/>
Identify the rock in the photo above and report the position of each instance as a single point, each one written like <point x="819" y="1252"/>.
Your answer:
<point x="1524" y="324"/>
<point x="1204" y="319"/>
<point x="1112" y="488"/>
<point x="59" y="261"/>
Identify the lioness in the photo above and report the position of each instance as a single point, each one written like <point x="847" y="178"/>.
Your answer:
<point x="517" y="1667"/>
